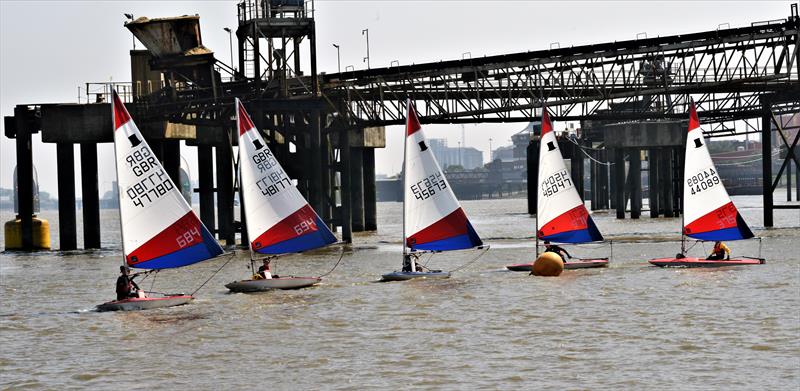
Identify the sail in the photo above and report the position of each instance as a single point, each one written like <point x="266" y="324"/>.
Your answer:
<point x="159" y="229"/>
<point x="279" y="219"/>
<point x="432" y="214"/>
<point x="708" y="212"/>
<point x="560" y="213"/>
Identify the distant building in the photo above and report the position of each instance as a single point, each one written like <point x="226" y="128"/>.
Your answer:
<point x="469" y="158"/>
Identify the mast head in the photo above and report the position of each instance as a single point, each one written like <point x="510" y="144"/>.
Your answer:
<point x="547" y="126"/>
<point x="412" y="122"/>
<point x="694" y="120"/>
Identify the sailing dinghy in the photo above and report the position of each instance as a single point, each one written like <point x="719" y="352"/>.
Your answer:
<point x="708" y="212"/>
<point x="159" y="229"/>
<point x="561" y="216"/>
<point x="431" y="212"/>
<point x="279" y="220"/>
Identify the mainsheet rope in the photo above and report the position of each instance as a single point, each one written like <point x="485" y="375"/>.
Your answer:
<point x="231" y="256"/>
<point x="341" y="256"/>
<point x="485" y="249"/>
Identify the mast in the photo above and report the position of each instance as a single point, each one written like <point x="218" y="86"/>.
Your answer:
<point x="405" y="174"/>
<point x="116" y="172"/>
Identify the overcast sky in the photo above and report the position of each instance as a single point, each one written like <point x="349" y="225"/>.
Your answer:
<point x="50" y="48"/>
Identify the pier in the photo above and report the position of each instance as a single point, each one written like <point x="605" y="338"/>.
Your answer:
<point x="631" y="98"/>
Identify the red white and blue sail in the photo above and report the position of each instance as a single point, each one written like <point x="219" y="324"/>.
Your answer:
<point x="159" y="229"/>
<point x="433" y="218"/>
<point x="560" y="213"/>
<point x="708" y="212"/>
<point x="279" y="219"/>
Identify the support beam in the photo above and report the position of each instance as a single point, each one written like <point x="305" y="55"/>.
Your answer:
<point x="205" y="179"/>
<point x="532" y="152"/>
<point x="618" y="182"/>
<point x="24" y="176"/>
<point x="666" y="182"/>
<point x="370" y="191"/>
<point x="357" y="187"/>
<point x="766" y="162"/>
<point x="225" y="193"/>
<point x="653" y="181"/>
<point x="345" y="211"/>
<point x="67" y="232"/>
<point x="171" y="155"/>
<point x="91" y="201"/>
<point x="576" y="169"/>
<point x="635" y="167"/>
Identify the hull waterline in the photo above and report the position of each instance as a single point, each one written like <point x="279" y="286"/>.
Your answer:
<point x="145" y="303"/>
<point x="272" y="283"/>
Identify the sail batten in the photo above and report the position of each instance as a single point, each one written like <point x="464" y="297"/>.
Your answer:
<point x="279" y="219"/>
<point x="709" y="213"/>
<point x="159" y="229"/>
<point x="561" y="215"/>
<point x="432" y="216"/>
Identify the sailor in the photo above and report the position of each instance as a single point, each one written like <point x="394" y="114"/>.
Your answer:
<point x="721" y="251"/>
<point x="264" y="270"/>
<point x="556" y="249"/>
<point x="407" y="264"/>
<point x="126" y="287"/>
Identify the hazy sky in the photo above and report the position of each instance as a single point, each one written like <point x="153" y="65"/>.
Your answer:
<point x="50" y="48"/>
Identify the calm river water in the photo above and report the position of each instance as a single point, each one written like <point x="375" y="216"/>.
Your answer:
<point x="630" y="326"/>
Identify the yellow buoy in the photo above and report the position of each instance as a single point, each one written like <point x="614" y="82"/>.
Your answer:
<point x="548" y="264"/>
<point x="41" y="234"/>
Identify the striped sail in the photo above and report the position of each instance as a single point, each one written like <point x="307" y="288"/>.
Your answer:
<point x="159" y="229"/>
<point x="560" y="213"/>
<point x="432" y="214"/>
<point x="279" y="219"/>
<point x="708" y="212"/>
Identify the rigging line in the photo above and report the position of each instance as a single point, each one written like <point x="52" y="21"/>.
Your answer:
<point x="153" y="283"/>
<point x="583" y="150"/>
<point x="485" y="249"/>
<point x="230" y="258"/>
<point x="341" y="256"/>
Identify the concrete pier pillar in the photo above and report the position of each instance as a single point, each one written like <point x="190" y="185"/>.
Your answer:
<point x="370" y="191"/>
<point x="618" y="182"/>
<point x="357" y="188"/>
<point x="533" y="172"/>
<point x="171" y="155"/>
<point x="67" y="232"/>
<point x="24" y="176"/>
<point x="205" y="178"/>
<point x="225" y="193"/>
<point x="345" y="211"/>
<point x="635" y="167"/>
<point x="603" y="180"/>
<point x="666" y="182"/>
<point x="576" y="169"/>
<point x="653" y="180"/>
<point x="315" y="185"/>
<point x="91" y="201"/>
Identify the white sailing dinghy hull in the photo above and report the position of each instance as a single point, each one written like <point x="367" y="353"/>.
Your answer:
<point x="405" y="276"/>
<point x="145" y="303"/>
<point x="272" y="283"/>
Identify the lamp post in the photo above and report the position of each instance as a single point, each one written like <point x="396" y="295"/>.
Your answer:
<point x="366" y="32"/>
<point x="230" y="45"/>
<point x="133" y="37"/>
<point x="338" y="58"/>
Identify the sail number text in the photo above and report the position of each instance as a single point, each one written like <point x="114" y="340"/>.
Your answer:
<point x="274" y="181"/>
<point x="305" y="225"/>
<point x="703" y="180"/>
<point x="188" y="237"/>
<point x="556" y="182"/>
<point x="427" y="187"/>
<point x="153" y="181"/>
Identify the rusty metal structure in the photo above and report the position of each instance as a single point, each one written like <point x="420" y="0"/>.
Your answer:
<point x="324" y="127"/>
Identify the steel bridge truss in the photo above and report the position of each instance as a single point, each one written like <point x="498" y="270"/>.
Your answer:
<point x="723" y="71"/>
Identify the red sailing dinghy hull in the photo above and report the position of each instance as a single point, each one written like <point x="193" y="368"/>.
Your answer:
<point x="571" y="265"/>
<point x="699" y="262"/>
<point x="145" y="303"/>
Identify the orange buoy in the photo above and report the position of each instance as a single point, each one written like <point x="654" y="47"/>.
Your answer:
<point x="548" y="264"/>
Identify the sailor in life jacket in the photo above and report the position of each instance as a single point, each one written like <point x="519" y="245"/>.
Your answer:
<point x="721" y="251"/>
<point x="264" y="271"/>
